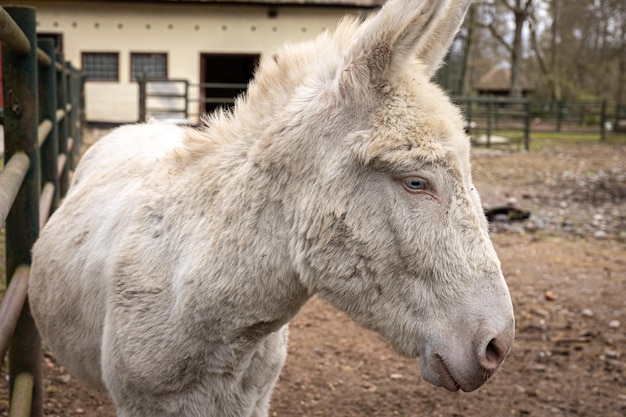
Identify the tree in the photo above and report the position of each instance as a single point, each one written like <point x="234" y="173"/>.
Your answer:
<point x="500" y="17"/>
<point x="548" y="53"/>
<point x="580" y="48"/>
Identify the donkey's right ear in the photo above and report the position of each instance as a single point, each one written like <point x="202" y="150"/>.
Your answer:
<point x="385" y="41"/>
<point x="401" y="30"/>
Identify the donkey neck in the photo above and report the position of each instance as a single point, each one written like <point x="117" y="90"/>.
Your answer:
<point x="245" y="268"/>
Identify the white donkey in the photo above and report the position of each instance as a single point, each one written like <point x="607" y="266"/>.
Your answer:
<point x="170" y="272"/>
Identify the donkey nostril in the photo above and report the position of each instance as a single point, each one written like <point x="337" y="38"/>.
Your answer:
<point x="492" y="347"/>
<point x="493" y="354"/>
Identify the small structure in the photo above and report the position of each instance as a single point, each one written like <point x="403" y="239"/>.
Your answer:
<point x="497" y="83"/>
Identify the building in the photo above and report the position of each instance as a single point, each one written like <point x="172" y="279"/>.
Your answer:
<point x="497" y="83"/>
<point x="199" y="41"/>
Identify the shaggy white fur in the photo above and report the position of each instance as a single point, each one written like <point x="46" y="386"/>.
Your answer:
<point x="170" y="272"/>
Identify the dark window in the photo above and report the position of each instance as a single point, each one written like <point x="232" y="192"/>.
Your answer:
<point x="100" y="66"/>
<point x="153" y="66"/>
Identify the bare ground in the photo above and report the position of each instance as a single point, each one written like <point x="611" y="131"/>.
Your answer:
<point x="566" y="268"/>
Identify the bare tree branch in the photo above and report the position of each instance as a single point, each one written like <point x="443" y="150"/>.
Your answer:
<point x="492" y="30"/>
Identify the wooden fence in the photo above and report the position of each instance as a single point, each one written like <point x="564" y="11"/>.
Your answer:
<point x="43" y="118"/>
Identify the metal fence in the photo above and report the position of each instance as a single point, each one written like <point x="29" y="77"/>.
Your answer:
<point x="181" y="101"/>
<point x="560" y="116"/>
<point x="487" y="117"/>
<point x="42" y="120"/>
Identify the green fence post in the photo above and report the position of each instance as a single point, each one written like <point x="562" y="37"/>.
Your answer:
<point x="469" y="117"/>
<point x="76" y="104"/>
<point x="559" y="115"/>
<point x="581" y="116"/>
<point x="73" y="114"/>
<point x="62" y="124"/>
<point x="489" y="123"/>
<point x="22" y="224"/>
<point x="603" y="121"/>
<point x="47" y="110"/>
<point x="141" y="80"/>
<point x="187" y="100"/>
<point x="500" y="106"/>
<point x="527" y="120"/>
<point x="81" y="100"/>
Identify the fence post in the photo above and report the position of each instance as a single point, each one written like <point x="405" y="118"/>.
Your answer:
<point x="186" y="100"/>
<point x="47" y="110"/>
<point x="71" y="116"/>
<point x="141" y="80"/>
<point x="527" y="108"/>
<point x="469" y="117"/>
<point x="603" y="121"/>
<point x="22" y="224"/>
<point x="75" y="92"/>
<point x="559" y="115"/>
<point x="62" y="124"/>
<point x="81" y="101"/>
<point x="489" y="124"/>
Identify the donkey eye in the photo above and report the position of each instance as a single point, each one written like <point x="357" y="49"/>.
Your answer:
<point x="415" y="183"/>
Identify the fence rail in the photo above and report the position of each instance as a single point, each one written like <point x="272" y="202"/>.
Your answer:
<point x="562" y="115"/>
<point x="485" y="115"/>
<point x="528" y="116"/>
<point x="42" y="120"/>
<point x="174" y="98"/>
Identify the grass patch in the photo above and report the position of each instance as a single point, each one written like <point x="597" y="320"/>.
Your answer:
<point x="548" y="140"/>
<point x="551" y="140"/>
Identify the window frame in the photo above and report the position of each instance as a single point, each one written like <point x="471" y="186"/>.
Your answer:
<point x="83" y="54"/>
<point x="142" y="53"/>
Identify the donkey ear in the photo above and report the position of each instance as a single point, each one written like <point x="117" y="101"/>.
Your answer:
<point x="400" y="30"/>
<point x="432" y="49"/>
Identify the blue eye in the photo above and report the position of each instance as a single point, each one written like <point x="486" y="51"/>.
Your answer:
<point x="415" y="183"/>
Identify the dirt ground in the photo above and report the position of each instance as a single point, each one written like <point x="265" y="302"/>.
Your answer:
<point x="566" y="268"/>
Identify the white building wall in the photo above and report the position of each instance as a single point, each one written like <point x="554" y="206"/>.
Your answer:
<point x="183" y="31"/>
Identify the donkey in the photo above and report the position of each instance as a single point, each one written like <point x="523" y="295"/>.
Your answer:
<point x="170" y="272"/>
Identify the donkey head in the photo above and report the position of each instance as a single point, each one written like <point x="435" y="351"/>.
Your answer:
<point x="387" y="224"/>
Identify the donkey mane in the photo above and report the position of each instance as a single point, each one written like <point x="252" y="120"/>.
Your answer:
<point x="302" y="73"/>
<point x="307" y="65"/>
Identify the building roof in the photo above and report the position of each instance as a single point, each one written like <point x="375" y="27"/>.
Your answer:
<point x="499" y="79"/>
<point x="341" y="3"/>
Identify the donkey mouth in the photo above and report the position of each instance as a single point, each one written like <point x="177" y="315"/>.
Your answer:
<point x="446" y="379"/>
